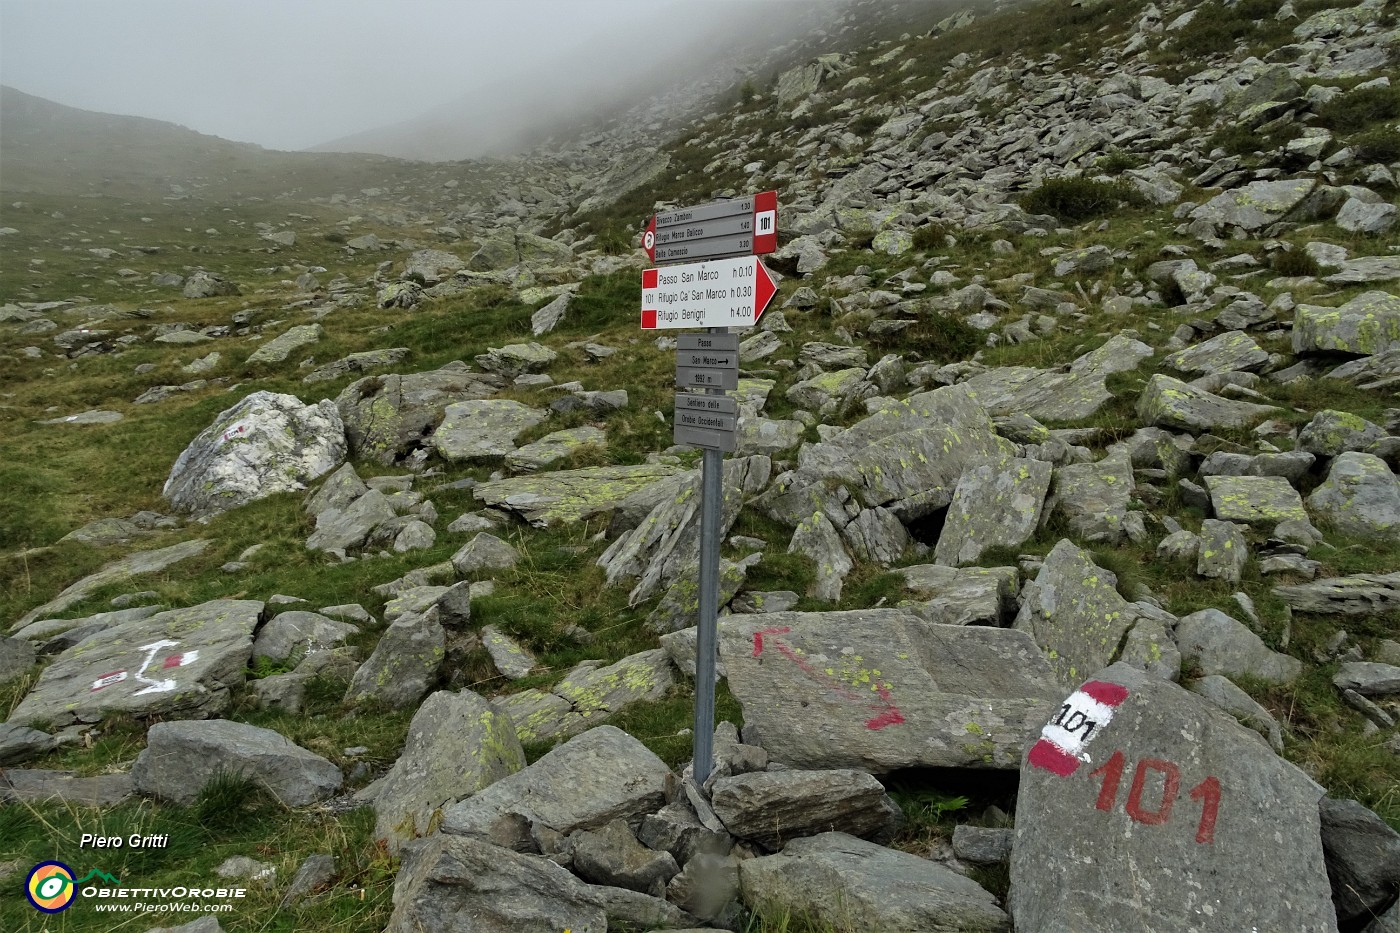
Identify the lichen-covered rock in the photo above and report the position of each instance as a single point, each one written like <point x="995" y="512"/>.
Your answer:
<point x="960" y="596"/>
<point x="565" y="496"/>
<point x="1171" y="403"/>
<point x="554" y="447"/>
<point x="1366" y="325"/>
<point x="482" y="429"/>
<point x="279" y="348"/>
<point x="1231" y="351"/>
<point x="298" y="633"/>
<point x="265" y="444"/>
<point x="588" y="695"/>
<point x="180" y="663"/>
<point x="1359" y="595"/>
<point x="406" y="295"/>
<point x="431" y="266"/>
<point x="1058" y="395"/>
<point x="1255" y="500"/>
<point x="387" y="417"/>
<point x="203" y="284"/>
<point x="817" y="540"/>
<point x="1330" y="433"/>
<point x="517" y="359"/>
<point x="404" y="664"/>
<point x="519" y="249"/>
<point x="1093" y="498"/>
<point x="457" y="745"/>
<point x="994" y="506"/>
<point x="1073" y="611"/>
<point x="773" y="807"/>
<point x="349" y="527"/>
<point x="1360" y="497"/>
<point x="667" y="541"/>
<point x="1256" y="205"/>
<point x="509" y="658"/>
<point x="831" y="393"/>
<point x="1223" y="551"/>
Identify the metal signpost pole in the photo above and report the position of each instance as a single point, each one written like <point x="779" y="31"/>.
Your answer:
<point x="706" y="642"/>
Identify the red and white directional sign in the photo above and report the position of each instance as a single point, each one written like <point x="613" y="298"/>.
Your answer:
<point x="741" y="227"/>
<point x="718" y="293"/>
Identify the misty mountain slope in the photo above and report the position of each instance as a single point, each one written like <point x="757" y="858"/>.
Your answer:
<point x="1077" y="404"/>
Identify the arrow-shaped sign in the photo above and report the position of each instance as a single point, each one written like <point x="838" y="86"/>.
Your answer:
<point x="174" y="660"/>
<point x="718" y="293"/>
<point x="887" y="714"/>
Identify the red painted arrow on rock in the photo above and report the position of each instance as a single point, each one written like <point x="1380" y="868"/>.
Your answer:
<point x="887" y="713"/>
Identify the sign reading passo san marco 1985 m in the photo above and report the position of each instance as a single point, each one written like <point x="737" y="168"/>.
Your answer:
<point x="718" y="293"/>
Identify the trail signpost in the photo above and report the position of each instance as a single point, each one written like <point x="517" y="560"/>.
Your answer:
<point x="719" y="284"/>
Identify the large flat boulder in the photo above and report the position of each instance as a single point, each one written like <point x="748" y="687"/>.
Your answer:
<point x="1170" y="403"/>
<point x="118" y="571"/>
<point x="882" y="689"/>
<point x="1362" y="594"/>
<point x="1255" y="205"/>
<point x="266" y="444"/>
<point x="1055" y="394"/>
<point x="176" y="664"/>
<point x="588" y="694"/>
<point x="483" y="429"/>
<point x="848" y="883"/>
<point x="994" y="506"/>
<point x="180" y="758"/>
<point x="773" y="807"/>
<point x="571" y="495"/>
<point x="1145" y="807"/>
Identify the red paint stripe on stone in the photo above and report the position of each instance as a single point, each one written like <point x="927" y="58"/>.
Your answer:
<point x="1106" y="693"/>
<point x="890" y="717"/>
<point x="1049" y="757"/>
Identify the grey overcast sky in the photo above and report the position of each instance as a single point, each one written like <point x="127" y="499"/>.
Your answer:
<point x="289" y="74"/>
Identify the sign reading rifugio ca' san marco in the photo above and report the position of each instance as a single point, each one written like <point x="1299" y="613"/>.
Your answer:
<point x="708" y="276"/>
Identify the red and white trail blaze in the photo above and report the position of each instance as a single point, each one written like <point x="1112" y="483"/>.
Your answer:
<point x="1080" y="719"/>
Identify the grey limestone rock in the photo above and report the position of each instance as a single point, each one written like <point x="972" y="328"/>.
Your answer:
<point x="315" y="873"/>
<point x="1163" y="786"/>
<point x="386" y="417"/>
<point x="348" y="528"/>
<point x="36" y="785"/>
<point x="404" y="664"/>
<point x="1368" y="678"/>
<point x="19" y="744"/>
<point x="773" y="807"/>
<point x="839" y="879"/>
<point x="1254" y="500"/>
<point x="1360" y="497"/>
<point x="1363" y="594"/>
<point x="1223" y="693"/>
<point x="485" y="551"/>
<point x="954" y="696"/>
<point x="961" y="596"/>
<point x="982" y="845"/>
<point x="611" y="855"/>
<point x="585" y="783"/>
<point x="994" y="505"/>
<point x="1054" y="394"/>
<point x="1363" y="859"/>
<point x="182" y="662"/>
<point x="1256" y="205"/>
<point x="429" y="266"/>
<point x="1223" y="551"/>
<point x="548" y="317"/>
<point x="1222" y="645"/>
<point x="265" y="444"/>
<point x="201" y="284"/>
<point x="181" y="757"/>
<point x="16" y="658"/>
<point x="588" y="694"/>
<point x="298" y="633"/>
<point x="516" y="359"/>
<point x="279" y="348"/>
<point x="356" y="363"/>
<point x="1231" y="351"/>
<point x="340" y="489"/>
<point x="457" y="884"/>
<point x="483" y="429"/>
<point x="1169" y="403"/>
<point x="1073" y="611"/>
<point x="458" y="744"/>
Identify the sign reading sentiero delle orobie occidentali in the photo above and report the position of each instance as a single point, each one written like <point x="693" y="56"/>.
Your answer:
<point x="709" y="276"/>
